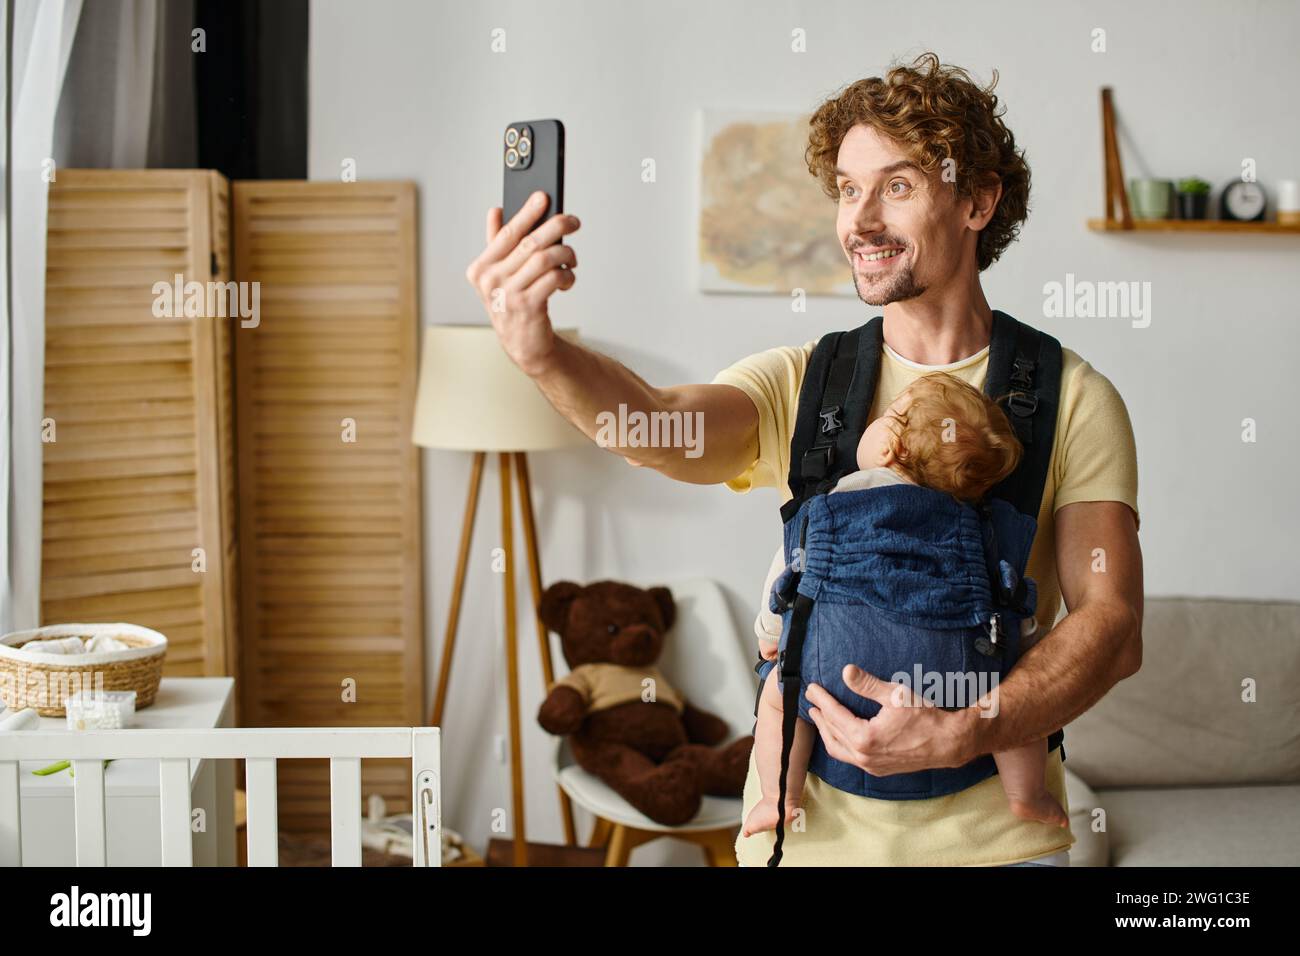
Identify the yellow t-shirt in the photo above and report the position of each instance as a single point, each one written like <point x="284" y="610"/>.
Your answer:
<point x="1094" y="458"/>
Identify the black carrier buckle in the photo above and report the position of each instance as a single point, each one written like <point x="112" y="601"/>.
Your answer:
<point x="831" y="424"/>
<point x="817" y="462"/>
<point x="787" y="667"/>
<point x="1022" y="373"/>
<point x="1022" y="404"/>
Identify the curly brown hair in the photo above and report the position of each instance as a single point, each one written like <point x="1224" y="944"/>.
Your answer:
<point x="954" y="438"/>
<point x="936" y="112"/>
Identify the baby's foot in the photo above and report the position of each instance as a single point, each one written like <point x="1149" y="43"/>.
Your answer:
<point x="763" y="816"/>
<point x="1041" y="807"/>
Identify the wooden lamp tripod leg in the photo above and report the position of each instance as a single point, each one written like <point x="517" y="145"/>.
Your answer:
<point x="543" y="638"/>
<point x="512" y="666"/>
<point x="457" y="589"/>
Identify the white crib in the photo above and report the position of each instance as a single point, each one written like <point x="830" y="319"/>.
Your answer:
<point x="259" y="748"/>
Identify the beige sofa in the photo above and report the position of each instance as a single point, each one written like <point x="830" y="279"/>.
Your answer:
<point x="1195" y="760"/>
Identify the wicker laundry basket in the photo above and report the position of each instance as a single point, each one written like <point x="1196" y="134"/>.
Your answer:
<point x="29" y="678"/>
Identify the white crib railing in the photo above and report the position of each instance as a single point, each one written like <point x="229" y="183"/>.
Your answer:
<point x="260" y="748"/>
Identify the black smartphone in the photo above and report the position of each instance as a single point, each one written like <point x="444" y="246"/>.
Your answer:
<point x="532" y="154"/>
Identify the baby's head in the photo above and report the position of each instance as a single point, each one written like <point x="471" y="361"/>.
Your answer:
<point x="944" y="434"/>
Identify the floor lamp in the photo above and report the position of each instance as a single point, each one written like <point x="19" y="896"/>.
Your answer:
<point x="473" y="398"/>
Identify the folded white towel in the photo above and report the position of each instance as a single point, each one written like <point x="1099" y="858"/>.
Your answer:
<point x="57" y="645"/>
<point x="75" y="645"/>
<point x="104" y="642"/>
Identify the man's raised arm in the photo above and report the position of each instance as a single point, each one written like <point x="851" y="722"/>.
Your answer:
<point x="515" y="275"/>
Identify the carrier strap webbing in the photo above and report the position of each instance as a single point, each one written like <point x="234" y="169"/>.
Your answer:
<point x="1025" y="369"/>
<point x="834" y="403"/>
<point x="789" y="664"/>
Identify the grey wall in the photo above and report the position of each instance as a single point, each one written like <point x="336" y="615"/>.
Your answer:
<point x="411" y="90"/>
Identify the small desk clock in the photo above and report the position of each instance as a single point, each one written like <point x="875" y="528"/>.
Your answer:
<point x="1242" y="201"/>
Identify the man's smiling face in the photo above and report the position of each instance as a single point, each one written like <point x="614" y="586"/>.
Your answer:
<point x="900" y="227"/>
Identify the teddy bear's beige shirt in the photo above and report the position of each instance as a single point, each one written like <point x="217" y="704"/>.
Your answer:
<point x="607" y="685"/>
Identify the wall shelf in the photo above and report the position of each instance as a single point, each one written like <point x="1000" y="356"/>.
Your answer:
<point x="1192" y="225"/>
<point x="1118" y="216"/>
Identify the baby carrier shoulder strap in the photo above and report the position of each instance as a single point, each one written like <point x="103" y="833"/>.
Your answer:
<point x="834" y="402"/>
<point x="1025" y="367"/>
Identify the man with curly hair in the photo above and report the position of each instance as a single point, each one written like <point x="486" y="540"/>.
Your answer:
<point x="929" y="191"/>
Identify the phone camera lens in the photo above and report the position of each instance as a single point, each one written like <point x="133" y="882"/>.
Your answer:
<point x="525" y="146"/>
<point x="512" y="157"/>
<point x="512" y="136"/>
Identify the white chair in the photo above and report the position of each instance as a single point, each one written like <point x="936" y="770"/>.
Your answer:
<point x="260" y="748"/>
<point x="713" y="666"/>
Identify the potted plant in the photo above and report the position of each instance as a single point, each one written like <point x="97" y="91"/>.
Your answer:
<point x="1193" y="198"/>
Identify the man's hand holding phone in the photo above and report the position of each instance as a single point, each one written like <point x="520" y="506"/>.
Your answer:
<point x="516" y="274"/>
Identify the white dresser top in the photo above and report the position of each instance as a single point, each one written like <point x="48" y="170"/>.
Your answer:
<point x="181" y="702"/>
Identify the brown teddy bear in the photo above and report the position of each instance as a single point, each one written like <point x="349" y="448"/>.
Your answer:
<point x="628" y="725"/>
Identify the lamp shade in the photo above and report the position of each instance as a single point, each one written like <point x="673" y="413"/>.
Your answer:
<point x="471" y="397"/>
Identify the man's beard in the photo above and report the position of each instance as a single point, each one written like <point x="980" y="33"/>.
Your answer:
<point x="882" y="290"/>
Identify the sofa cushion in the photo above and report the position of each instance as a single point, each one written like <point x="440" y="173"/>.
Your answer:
<point x="1203" y="826"/>
<point x="1181" y="720"/>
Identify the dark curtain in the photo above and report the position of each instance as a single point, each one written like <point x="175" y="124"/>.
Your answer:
<point x="251" y="88"/>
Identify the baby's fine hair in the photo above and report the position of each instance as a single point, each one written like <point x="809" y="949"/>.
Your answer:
<point x="954" y="438"/>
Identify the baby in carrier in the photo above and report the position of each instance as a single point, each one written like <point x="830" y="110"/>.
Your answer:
<point x="946" y="435"/>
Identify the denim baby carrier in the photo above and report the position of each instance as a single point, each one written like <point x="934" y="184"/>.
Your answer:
<point x="904" y="579"/>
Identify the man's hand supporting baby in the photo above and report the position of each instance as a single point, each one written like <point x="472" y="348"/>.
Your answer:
<point x="908" y="734"/>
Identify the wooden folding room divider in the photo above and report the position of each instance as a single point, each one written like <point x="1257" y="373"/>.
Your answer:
<point x="138" y="438"/>
<point x="330" y="534"/>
